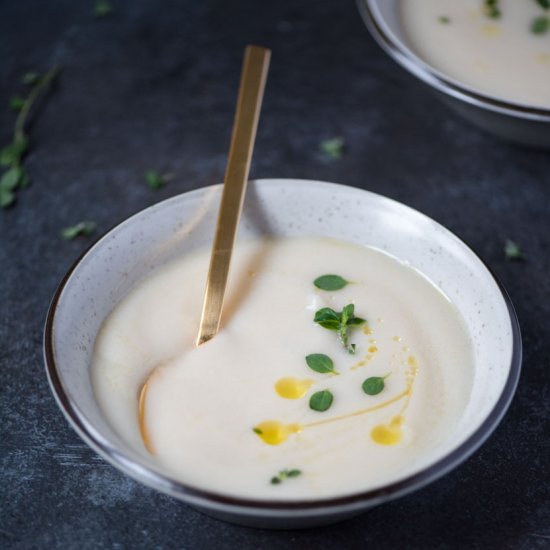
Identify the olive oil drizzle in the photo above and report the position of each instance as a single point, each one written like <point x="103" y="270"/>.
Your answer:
<point x="360" y="412"/>
<point x="292" y="388"/>
<point x="274" y="432"/>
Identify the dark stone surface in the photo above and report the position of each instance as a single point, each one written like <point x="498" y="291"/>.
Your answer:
<point x="154" y="86"/>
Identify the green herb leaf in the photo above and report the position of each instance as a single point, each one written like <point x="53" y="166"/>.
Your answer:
<point x="444" y="20"/>
<point x="319" y="362"/>
<point x="512" y="250"/>
<point x="327" y="318"/>
<point x="347" y="313"/>
<point x="102" y="8"/>
<point x="492" y="9"/>
<point x="154" y="180"/>
<point x="343" y="329"/>
<point x="257" y="431"/>
<point x="330" y="282"/>
<point x="348" y="320"/>
<point x="81" y="228"/>
<point x="321" y="401"/>
<point x="355" y="321"/>
<point x="16" y="103"/>
<point x="284" y="474"/>
<point x="30" y="78"/>
<point x="341" y="322"/>
<point x="10" y="180"/>
<point x="12" y="153"/>
<point x="540" y="25"/>
<point x="7" y="198"/>
<point x="373" y="385"/>
<point x="544" y="4"/>
<point x="332" y="148"/>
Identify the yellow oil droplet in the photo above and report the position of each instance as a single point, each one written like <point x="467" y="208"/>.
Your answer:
<point x="367" y="330"/>
<point x="490" y="30"/>
<point x="543" y="58"/>
<point x="372" y="349"/>
<point x="388" y="434"/>
<point x="413" y="363"/>
<point x="397" y="338"/>
<point x="251" y="273"/>
<point x="405" y="349"/>
<point x="359" y="364"/>
<point x="372" y="341"/>
<point x="274" y="432"/>
<point x="292" y="388"/>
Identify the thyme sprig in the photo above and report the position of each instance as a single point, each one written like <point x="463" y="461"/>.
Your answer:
<point x="11" y="156"/>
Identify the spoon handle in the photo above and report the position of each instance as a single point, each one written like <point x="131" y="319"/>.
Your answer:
<point x="251" y="91"/>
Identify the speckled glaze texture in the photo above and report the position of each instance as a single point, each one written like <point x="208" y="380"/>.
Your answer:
<point x="172" y="228"/>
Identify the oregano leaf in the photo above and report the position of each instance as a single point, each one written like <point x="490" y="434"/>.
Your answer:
<point x="12" y="153"/>
<point x="10" y="179"/>
<point x="330" y="282"/>
<point x="373" y="385"/>
<point x="81" y="228"/>
<point x="319" y="362"/>
<point x="321" y="401"/>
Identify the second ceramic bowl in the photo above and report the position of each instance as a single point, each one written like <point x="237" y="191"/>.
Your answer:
<point x="523" y="124"/>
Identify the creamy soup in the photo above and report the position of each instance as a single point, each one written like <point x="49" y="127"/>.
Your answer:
<point x="337" y="369"/>
<point x="500" y="48"/>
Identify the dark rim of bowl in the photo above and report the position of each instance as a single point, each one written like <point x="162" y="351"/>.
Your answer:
<point x="425" y="72"/>
<point x="199" y="497"/>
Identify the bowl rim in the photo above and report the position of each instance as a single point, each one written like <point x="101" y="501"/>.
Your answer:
<point x="212" y="500"/>
<point x="441" y="82"/>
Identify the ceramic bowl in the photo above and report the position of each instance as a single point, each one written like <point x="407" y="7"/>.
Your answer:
<point x="522" y="124"/>
<point x="279" y="207"/>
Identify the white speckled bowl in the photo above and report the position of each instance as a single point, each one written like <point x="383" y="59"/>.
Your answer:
<point x="129" y="252"/>
<point x="523" y="124"/>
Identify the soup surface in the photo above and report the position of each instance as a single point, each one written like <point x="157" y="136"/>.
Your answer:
<point x="501" y="48"/>
<point x="314" y="387"/>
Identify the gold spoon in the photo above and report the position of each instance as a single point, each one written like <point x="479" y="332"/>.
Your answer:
<point x="251" y="91"/>
<point x="249" y="101"/>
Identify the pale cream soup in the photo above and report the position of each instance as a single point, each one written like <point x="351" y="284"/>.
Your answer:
<point x="500" y="48"/>
<point x="246" y="414"/>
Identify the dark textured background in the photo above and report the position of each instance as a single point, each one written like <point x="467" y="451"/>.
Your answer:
<point x="153" y="87"/>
